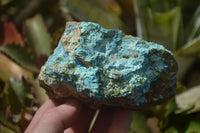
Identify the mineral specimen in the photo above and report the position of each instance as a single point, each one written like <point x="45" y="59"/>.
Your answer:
<point x="105" y="68"/>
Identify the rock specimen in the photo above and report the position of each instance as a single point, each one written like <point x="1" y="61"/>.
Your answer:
<point x="105" y="68"/>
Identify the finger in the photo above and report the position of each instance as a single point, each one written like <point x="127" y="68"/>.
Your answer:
<point x="121" y="122"/>
<point x="103" y="121"/>
<point x="83" y="122"/>
<point x="57" y="119"/>
<point x="46" y="106"/>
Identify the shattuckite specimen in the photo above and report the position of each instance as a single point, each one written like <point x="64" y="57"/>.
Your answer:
<point x="105" y="68"/>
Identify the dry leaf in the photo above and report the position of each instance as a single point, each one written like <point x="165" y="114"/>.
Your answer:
<point x="11" y="35"/>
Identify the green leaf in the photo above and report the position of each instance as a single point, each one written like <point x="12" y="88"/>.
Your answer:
<point x="138" y="124"/>
<point x="20" y="56"/>
<point x="19" y="95"/>
<point x="14" y="98"/>
<point x="185" y="56"/>
<point x="188" y="10"/>
<point x="184" y="63"/>
<point x="161" y="22"/>
<point x="171" y="130"/>
<point x="162" y="6"/>
<point x="180" y="122"/>
<point x="192" y="48"/>
<point x="195" y="25"/>
<point x="18" y="88"/>
<point x="4" y="129"/>
<point x="164" y="27"/>
<point x="90" y="10"/>
<point x="189" y="101"/>
<point x="38" y="36"/>
<point x="164" y="110"/>
<point x="193" y="126"/>
<point x="170" y="107"/>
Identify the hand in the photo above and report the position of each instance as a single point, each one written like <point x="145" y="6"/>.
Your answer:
<point x="72" y="117"/>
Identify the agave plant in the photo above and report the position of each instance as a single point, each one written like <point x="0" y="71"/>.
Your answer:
<point x="30" y="31"/>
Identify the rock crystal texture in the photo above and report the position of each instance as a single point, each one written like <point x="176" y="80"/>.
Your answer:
<point x="105" y="68"/>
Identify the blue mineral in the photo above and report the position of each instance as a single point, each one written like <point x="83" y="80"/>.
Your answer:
<point x="105" y="68"/>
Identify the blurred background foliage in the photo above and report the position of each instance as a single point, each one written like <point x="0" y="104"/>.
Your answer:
<point x="30" y="30"/>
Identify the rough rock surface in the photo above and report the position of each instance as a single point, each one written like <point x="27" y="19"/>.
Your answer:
<point x="105" y="68"/>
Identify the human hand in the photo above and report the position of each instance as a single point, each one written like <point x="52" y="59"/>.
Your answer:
<point x="72" y="117"/>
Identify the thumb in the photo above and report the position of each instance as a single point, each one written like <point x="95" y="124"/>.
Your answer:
<point x="59" y="118"/>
